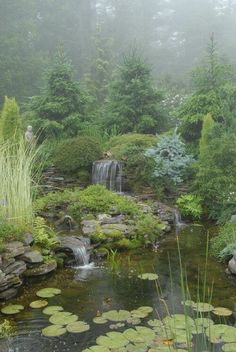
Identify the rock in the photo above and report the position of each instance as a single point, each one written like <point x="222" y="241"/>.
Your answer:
<point x="164" y="212"/>
<point x="28" y="239"/>
<point x="13" y="249"/>
<point x="108" y="228"/>
<point x="8" y="294"/>
<point x="43" y="269"/>
<point x="69" y="243"/>
<point x="6" y="263"/>
<point x="16" y="268"/>
<point x="113" y="220"/>
<point x="102" y="217"/>
<point x="10" y="281"/>
<point x="32" y="256"/>
<point x="232" y="265"/>
<point x="89" y="227"/>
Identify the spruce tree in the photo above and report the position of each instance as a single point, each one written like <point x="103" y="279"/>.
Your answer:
<point x="134" y="104"/>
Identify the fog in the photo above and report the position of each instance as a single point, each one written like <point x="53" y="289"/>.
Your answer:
<point x="172" y="36"/>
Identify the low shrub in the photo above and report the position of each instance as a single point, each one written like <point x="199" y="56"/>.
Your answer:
<point x="74" y="154"/>
<point x="190" y="206"/>
<point x="148" y="228"/>
<point x="223" y="245"/>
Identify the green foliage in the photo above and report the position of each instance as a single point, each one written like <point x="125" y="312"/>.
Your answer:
<point x="19" y="172"/>
<point x="10" y="122"/>
<point x="9" y="232"/>
<point x="6" y="330"/>
<point x="43" y="235"/>
<point x="190" y="206"/>
<point x="223" y="246"/>
<point x="76" y="153"/>
<point x="208" y="124"/>
<point x="131" y="149"/>
<point x="171" y="158"/>
<point x="148" y="228"/>
<point x="134" y="105"/>
<point x="216" y="177"/>
<point x="97" y="199"/>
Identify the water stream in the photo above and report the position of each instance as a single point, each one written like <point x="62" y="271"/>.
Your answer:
<point x="105" y="290"/>
<point x="108" y="173"/>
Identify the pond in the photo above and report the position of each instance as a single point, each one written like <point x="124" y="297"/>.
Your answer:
<point x="115" y="285"/>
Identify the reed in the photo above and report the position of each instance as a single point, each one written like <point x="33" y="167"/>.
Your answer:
<point x="19" y="172"/>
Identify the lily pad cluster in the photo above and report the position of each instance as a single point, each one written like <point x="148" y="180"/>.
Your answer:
<point x="12" y="309"/>
<point x="174" y="333"/>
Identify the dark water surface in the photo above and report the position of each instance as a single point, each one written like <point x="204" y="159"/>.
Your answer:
<point x="102" y="290"/>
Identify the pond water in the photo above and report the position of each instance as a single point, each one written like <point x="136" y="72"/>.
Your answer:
<point x="89" y="292"/>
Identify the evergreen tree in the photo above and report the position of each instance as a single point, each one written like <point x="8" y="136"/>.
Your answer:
<point x="134" y="105"/>
<point x="10" y="120"/>
<point x="62" y="96"/>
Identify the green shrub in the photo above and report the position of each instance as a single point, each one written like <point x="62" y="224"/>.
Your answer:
<point x="73" y="154"/>
<point x="43" y="235"/>
<point x="190" y="206"/>
<point x="224" y="245"/>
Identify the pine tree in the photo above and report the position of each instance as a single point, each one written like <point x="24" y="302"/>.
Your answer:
<point x="62" y="95"/>
<point x="10" y="120"/>
<point x="134" y="103"/>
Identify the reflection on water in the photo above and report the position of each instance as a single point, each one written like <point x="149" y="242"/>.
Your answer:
<point x="89" y="290"/>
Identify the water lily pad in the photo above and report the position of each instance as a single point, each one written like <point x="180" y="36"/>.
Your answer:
<point x="97" y="349"/>
<point x="137" y="347"/>
<point x="221" y="333"/>
<point x="203" y="307"/>
<point x="136" y="313"/>
<point x="12" y="309"/>
<point x="52" y="310"/>
<point x="133" y="321"/>
<point x="112" y="340"/>
<point x="140" y="334"/>
<point x="77" y="327"/>
<point x="148" y="276"/>
<point x="229" y="347"/>
<point x="223" y="312"/>
<point x="114" y="315"/>
<point x="188" y="303"/>
<point x="146" y="309"/>
<point x="53" y="331"/>
<point x="100" y="320"/>
<point x="178" y="321"/>
<point x="48" y="292"/>
<point x="63" y="318"/>
<point x="38" y="304"/>
<point x="155" y="323"/>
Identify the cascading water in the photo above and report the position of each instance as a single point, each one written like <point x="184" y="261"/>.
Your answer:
<point x="108" y="173"/>
<point x="179" y="224"/>
<point x="81" y="256"/>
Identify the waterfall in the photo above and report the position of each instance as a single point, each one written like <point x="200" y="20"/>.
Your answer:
<point x="81" y="256"/>
<point x="179" y="224"/>
<point x="108" y="173"/>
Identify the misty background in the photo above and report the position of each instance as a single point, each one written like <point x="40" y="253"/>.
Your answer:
<point x="172" y="36"/>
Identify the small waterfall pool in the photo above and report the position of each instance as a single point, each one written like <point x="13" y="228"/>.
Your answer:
<point x="108" y="173"/>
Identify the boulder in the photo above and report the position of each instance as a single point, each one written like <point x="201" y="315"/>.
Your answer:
<point x="112" y="220"/>
<point x="89" y="227"/>
<point x="108" y="228"/>
<point x="13" y="249"/>
<point x="232" y="265"/>
<point x="28" y="239"/>
<point x="17" y="268"/>
<point x="8" y="294"/>
<point x="32" y="256"/>
<point x="43" y="269"/>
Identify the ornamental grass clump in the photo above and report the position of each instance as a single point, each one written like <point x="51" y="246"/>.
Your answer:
<point x="18" y="175"/>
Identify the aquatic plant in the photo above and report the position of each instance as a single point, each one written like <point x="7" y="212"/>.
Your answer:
<point x="190" y="206"/>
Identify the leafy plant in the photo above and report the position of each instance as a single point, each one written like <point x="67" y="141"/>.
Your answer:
<point x="190" y="205"/>
<point x="148" y="229"/>
<point x="43" y="235"/>
<point x="224" y="244"/>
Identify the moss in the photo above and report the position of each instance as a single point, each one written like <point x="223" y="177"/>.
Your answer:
<point x="126" y="243"/>
<point x="98" y="237"/>
<point x="115" y="235"/>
